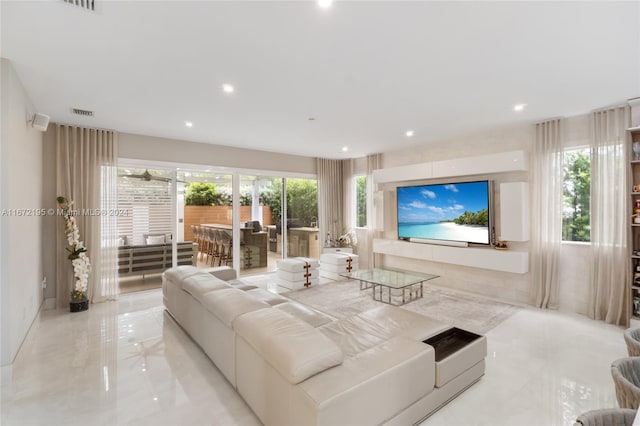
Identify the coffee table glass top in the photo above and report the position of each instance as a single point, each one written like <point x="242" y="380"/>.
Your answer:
<point x="389" y="278"/>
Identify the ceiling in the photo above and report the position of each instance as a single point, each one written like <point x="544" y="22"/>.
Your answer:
<point x="364" y="71"/>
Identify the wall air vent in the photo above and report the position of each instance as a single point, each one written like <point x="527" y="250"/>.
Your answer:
<point x="82" y="112"/>
<point x="83" y="4"/>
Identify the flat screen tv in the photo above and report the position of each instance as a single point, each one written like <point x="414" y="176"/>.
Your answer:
<point x="457" y="212"/>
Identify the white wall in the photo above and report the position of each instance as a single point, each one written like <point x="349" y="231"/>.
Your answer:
<point x="20" y="237"/>
<point x="179" y="151"/>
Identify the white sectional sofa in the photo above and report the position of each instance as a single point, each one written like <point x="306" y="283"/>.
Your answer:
<point x="297" y="366"/>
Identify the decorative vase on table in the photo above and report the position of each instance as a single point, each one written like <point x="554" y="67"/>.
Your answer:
<point x="78" y="257"/>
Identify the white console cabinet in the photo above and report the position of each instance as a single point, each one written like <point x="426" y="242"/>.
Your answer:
<point x="478" y="257"/>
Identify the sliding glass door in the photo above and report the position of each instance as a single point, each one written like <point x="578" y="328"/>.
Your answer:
<point x="302" y="218"/>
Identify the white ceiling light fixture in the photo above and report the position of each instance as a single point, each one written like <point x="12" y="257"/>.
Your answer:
<point x="325" y="4"/>
<point x="188" y="124"/>
<point x="227" y="88"/>
<point x="519" y="107"/>
<point x="345" y="148"/>
<point x="409" y="133"/>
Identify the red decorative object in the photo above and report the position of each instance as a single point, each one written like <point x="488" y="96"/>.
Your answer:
<point x="349" y="267"/>
<point x="307" y="274"/>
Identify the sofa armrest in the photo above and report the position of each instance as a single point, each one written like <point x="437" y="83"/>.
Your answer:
<point x="291" y="346"/>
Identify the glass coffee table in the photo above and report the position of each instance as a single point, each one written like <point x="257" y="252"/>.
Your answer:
<point x="391" y="286"/>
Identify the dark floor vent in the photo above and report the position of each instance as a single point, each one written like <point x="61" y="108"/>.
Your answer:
<point x="82" y="112"/>
<point x="83" y="4"/>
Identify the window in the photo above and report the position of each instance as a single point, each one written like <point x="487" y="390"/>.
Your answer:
<point x="576" y="200"/>
<point x="361" y="201"/>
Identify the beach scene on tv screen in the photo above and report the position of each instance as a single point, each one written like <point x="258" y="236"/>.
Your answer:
<point x="455" y="212"/>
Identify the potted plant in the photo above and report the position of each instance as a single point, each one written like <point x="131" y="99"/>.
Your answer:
<point x="78" y="257"/>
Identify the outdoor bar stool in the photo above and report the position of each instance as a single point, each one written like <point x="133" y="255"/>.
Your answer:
<point x="211" y="243"/>
<point x="217" y="245"/>
<point x="226" y="256"/>
<point x="196" y="238"/>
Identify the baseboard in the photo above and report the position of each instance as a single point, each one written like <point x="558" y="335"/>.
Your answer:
<point x="49" y="303"/>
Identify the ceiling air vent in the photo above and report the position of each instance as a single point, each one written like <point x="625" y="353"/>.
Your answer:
<point x="83" y="4"/>
<point x="82" y="112"/>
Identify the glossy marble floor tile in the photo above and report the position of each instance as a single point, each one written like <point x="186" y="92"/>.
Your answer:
<point x="127" y="362"/>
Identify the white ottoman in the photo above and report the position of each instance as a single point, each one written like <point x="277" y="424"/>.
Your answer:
<point x="297" y="272"/>
<point x="334" y="264"/>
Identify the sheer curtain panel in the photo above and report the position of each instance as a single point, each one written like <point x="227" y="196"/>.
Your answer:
<point x="374" y="162"/>
<point x="330" y="197"/>
<point x="547" y="212"/>
<point x="610" y="272"/>
<point x="86" y="174"/>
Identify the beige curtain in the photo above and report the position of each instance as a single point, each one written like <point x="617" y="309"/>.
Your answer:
<point x="330" y="197"/>
<point x="547" y="212"/>
<point x="374" y="162"/>
<point x="610" y="275"/>
<point x="87" y="175"/>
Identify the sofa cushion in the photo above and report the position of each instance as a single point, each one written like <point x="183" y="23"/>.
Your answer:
<point x="290" y="345"/>
<point x="229" y="304"/>
<point x="241" y="285"/>
<point x="306" y="314"/>
<point x="266" y="296"/>
<point x="199" y="284"/>
<point x="179" y="273"/>
<point x="374" y="385"/>
<point x="351" y="337"/>
<point x="388" y="321"/>
<point x="225" y="273"/>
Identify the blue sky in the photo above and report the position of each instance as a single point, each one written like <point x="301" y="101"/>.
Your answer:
<point x="434" y="203"/>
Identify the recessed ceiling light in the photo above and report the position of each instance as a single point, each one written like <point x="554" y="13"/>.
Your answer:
<point x="325" y="4"/>
<point x="345" y="148"/>
<point x="227" y="88"/>
<point x="409" y="133"/>
<point x="519" y="107"/>
<point x="188" y="124"/>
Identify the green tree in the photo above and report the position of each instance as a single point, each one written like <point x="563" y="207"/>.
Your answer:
<point x="576" y="212"/>
<point x="469" y="218"/>
<point x="302" y="199"/>
<point x="200" y="194"/>
<point x="361" y="201"/>
<point x="210" y="194"/>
